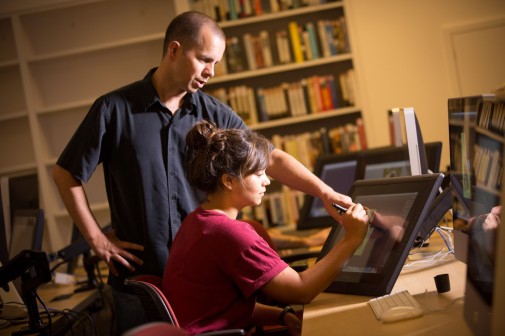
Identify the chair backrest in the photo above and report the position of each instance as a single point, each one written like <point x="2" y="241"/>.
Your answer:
<point x="156" y="329"/>
<point x="148" y="287"/>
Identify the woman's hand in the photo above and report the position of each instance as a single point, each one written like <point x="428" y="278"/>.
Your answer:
<point x="293" y="324"/>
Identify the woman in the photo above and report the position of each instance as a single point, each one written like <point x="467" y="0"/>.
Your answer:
<point x="218" y="264"/>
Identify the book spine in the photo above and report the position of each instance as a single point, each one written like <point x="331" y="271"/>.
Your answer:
<point x="323" y="41"/>
<point x="296" y="44"/>
<point x="309" y="26"/>
<point x="265" y="48"/>
<point x="361" y="133"/>
<point x="250" y="55"/>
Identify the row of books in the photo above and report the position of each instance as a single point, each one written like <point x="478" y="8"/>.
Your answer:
<point x="488" y="167"/>
<point x="277" y="209"/>
<point x="298" y="43"/>
<point x="314" y="94"/>
<point x="308" y="41"/>
<point x="225" y="10"/>
<point x="306" y="147"/>
<point x="281" y="208"/>
<point x="492" y="116"/>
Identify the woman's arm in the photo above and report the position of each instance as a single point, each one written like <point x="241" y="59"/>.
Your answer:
<point x="264" y="315"/>
<point x="292" y="287"/>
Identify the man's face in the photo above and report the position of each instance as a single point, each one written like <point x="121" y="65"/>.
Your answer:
<point x="195" y="65"/>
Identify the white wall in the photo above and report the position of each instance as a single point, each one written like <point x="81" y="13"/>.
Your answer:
<point x="402" y="59"/>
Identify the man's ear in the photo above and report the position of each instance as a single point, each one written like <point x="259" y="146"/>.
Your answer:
<point x="172" y="48"/>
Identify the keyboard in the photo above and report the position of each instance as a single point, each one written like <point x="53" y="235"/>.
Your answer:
<point x="383" y="303"/>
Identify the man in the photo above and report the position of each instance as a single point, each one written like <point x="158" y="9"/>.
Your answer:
<point x="138" y="133"/>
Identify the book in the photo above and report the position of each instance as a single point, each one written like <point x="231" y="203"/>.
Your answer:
<point x="296" y="43"/>
<point x="323" y="40"/>
<point x="283" y="50"/>
<point x="327" y="103"/>
<point x="235" y="55"/>
<point x="265" y="48"/>
<point x="309" y="26"/>
<point x="361" y="133"/>
<point x="247" y="38"/>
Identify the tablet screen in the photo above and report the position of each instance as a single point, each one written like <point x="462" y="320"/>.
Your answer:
<point x="400" y="204"/>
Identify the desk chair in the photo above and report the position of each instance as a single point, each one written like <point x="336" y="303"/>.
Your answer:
<point x="156" y="329"/>
<point x="157" y="307"/>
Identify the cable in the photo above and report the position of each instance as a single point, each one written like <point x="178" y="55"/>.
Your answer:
<point x="447" y="239"/>
<point x="49" y="318"/>
<point x="57" y="265"/>
<point x="435" y="258"/>
<point x="443" y="309"/>
<point x="87" y="316"/>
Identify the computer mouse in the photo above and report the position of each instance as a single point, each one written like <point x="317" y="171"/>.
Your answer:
<point x="400" y="313"/>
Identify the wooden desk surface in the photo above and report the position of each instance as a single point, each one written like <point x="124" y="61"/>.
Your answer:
<point x="341" y="314"/>
<point x="78" y="302"/>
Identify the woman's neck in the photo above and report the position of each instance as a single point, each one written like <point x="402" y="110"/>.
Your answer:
<point x="213" y="205"/>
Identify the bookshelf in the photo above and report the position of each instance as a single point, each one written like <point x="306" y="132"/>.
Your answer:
<point x="289" y="71"/>
<point x="57" y="57"/>
<point x="485" y="143"/>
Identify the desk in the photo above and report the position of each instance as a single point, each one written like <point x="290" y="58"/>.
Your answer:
<point x="340" y="314"/>
<point x="78" y="302"/>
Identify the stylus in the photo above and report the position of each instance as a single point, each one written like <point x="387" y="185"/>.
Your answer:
<point x="341" y="210"/>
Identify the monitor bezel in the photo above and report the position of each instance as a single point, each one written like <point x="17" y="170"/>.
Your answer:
<point x="426" y="186"/>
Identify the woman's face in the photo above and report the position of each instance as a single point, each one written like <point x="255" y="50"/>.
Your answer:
<point x="250" y="191"/>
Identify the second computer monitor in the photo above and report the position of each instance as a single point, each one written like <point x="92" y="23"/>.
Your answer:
<point x="340" y="170"/>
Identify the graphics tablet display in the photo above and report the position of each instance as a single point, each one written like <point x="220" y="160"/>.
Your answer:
<point x="400" y="204"/>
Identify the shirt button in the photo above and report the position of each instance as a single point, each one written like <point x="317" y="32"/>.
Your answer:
<point x="172" y="173"/>
<point x="173" y="197"/>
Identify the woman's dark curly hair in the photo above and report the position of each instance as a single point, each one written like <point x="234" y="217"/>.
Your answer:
<point x="213" y="152"/>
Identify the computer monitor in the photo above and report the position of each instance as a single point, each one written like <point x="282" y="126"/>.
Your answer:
<point x="401" y="204"/>
<point x="27" y="231"/>
<point x="23" y="193"/>
<point x="26" y="234"/>
<point x="395" y="161"/>
<point x="477" y="145"/>
<point x="406" y="129"/>
<point x="340" y="170"/>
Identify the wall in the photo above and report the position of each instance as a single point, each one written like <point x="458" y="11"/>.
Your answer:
<point x="403" y="59"/>
<point x="402" y="56"/>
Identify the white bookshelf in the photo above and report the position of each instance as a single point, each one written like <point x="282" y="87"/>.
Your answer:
<point x="57" y="57"/>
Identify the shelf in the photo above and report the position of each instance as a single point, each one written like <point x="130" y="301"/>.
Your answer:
<point x="9" y="63"/>
<point x="16" y="169"/>
<point x="87" y="27"/>
<point x="490" y="134"/>
<point x="280" y="15"/>
<point x="158" y="38"/>
<point x="55" y="85"/>
<point x="86" y="103"/>
<point x="13" y="115"/>
<point x="306" y="118"/>
<point x="279" y="69"/>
